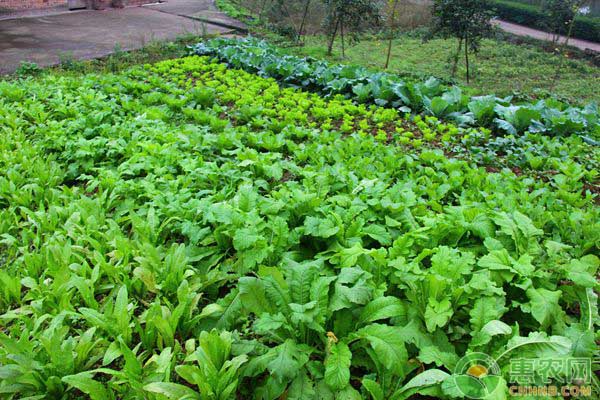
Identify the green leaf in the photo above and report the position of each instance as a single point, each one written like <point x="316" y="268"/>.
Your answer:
<point x="544" y="306"/>
<point x="84" y="383"/>
<point x="253" y="297"/>
<point x="488" y="331"/>
<point x="382" y="308"/>
<point x="337" y="366"/>
<point x="584" y="342"/>
<point x="536" y="345"/>
<point x="301" y="277"/>
<point x="172" y="390"/>
<point x="351" y="288"/>
<point x="287" y="362"/>
<point x="301" y="388"/>
<point x="425" y="379"/>
<point x="245" y="238"/>
<point x="378" y="233"/>
<point x="582" y="273"/>
<point x="485" y="310"/>
<point x="432" y="354"/>
<point x="348" y="257"/>
<point x="495" y="327"/>
<point x="373" y="388"/>
<point x="437" y="314"/>
<point x="388" y="345"/>
<point x="589" y="307"/>
<point x="320" y="227"/>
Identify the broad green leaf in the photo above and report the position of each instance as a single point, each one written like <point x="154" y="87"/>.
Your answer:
<point x="373" y="388"/>
<point x="437" y="314"/>
<point x="84" y="383"/>
<point x="287" y="362"/>
<point x="382" y="308"/>
<point x="337" y="366"/>
<point x="379" y="233"/>
<point x="172" y="390"/>
<point x="536" y="345"/>
<point x="245" y="238"/>
<point x="426" y="378"/>
<point x="387" y="344"/>
<point x="544" y="306"/>
<point x="485" y="310"/>
<point x="320" y="227"/>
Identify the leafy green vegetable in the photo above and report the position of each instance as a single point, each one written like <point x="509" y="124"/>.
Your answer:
<point x="184" y="230"/>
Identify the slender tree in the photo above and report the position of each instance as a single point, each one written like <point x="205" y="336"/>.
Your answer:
<point x="393" y="7"/>
<point x="558" y="15"/>
<point x="466" y="20"/>
<point x="568" y="11"/>
<point x="349" y="17"/>
<point x="304" y="16"/>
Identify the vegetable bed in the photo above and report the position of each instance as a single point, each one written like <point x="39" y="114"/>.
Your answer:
<point x="549" y="116"/>
<point x="185" y="230"/>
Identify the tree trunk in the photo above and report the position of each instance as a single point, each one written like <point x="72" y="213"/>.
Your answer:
<point x="342" y="34"/>
<point x="333" y="35"/>
<point x="391" y="27"/>
<point x="467" y="56"/>
<point x="456" y="57"/>
<point x="304" y="15"/>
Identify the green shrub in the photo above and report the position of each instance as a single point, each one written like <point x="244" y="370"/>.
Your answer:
<point x="587" y="28"/>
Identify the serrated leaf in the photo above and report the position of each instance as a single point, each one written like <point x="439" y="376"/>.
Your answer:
<point x="378" y="233"/>
<point x="387" y="344"/>
<point x="337" y="366"/>
<point x="287" y="362"/>
<point x="544" y="306"/>
<point x="320" y="227"/>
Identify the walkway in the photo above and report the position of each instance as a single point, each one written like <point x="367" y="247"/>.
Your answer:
<point x="93" y="34"/>
<point x="521" y="30"/>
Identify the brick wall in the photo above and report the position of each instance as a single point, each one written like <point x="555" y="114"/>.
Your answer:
<point x="29" y="4"/>
<point x="37" y="4"/>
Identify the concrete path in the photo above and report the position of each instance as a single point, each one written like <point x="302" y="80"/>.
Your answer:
<point x="521" y="30"/>
<point x="202" y="10"/>
<point x="92" y="34"/>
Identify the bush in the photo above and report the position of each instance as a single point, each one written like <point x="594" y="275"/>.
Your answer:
<point x="587" y="28"/>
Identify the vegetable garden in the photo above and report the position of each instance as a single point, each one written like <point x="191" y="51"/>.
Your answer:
<point x="253" y="226"/>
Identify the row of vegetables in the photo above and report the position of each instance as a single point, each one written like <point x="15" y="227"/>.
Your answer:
<point x="431" y="97"/>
